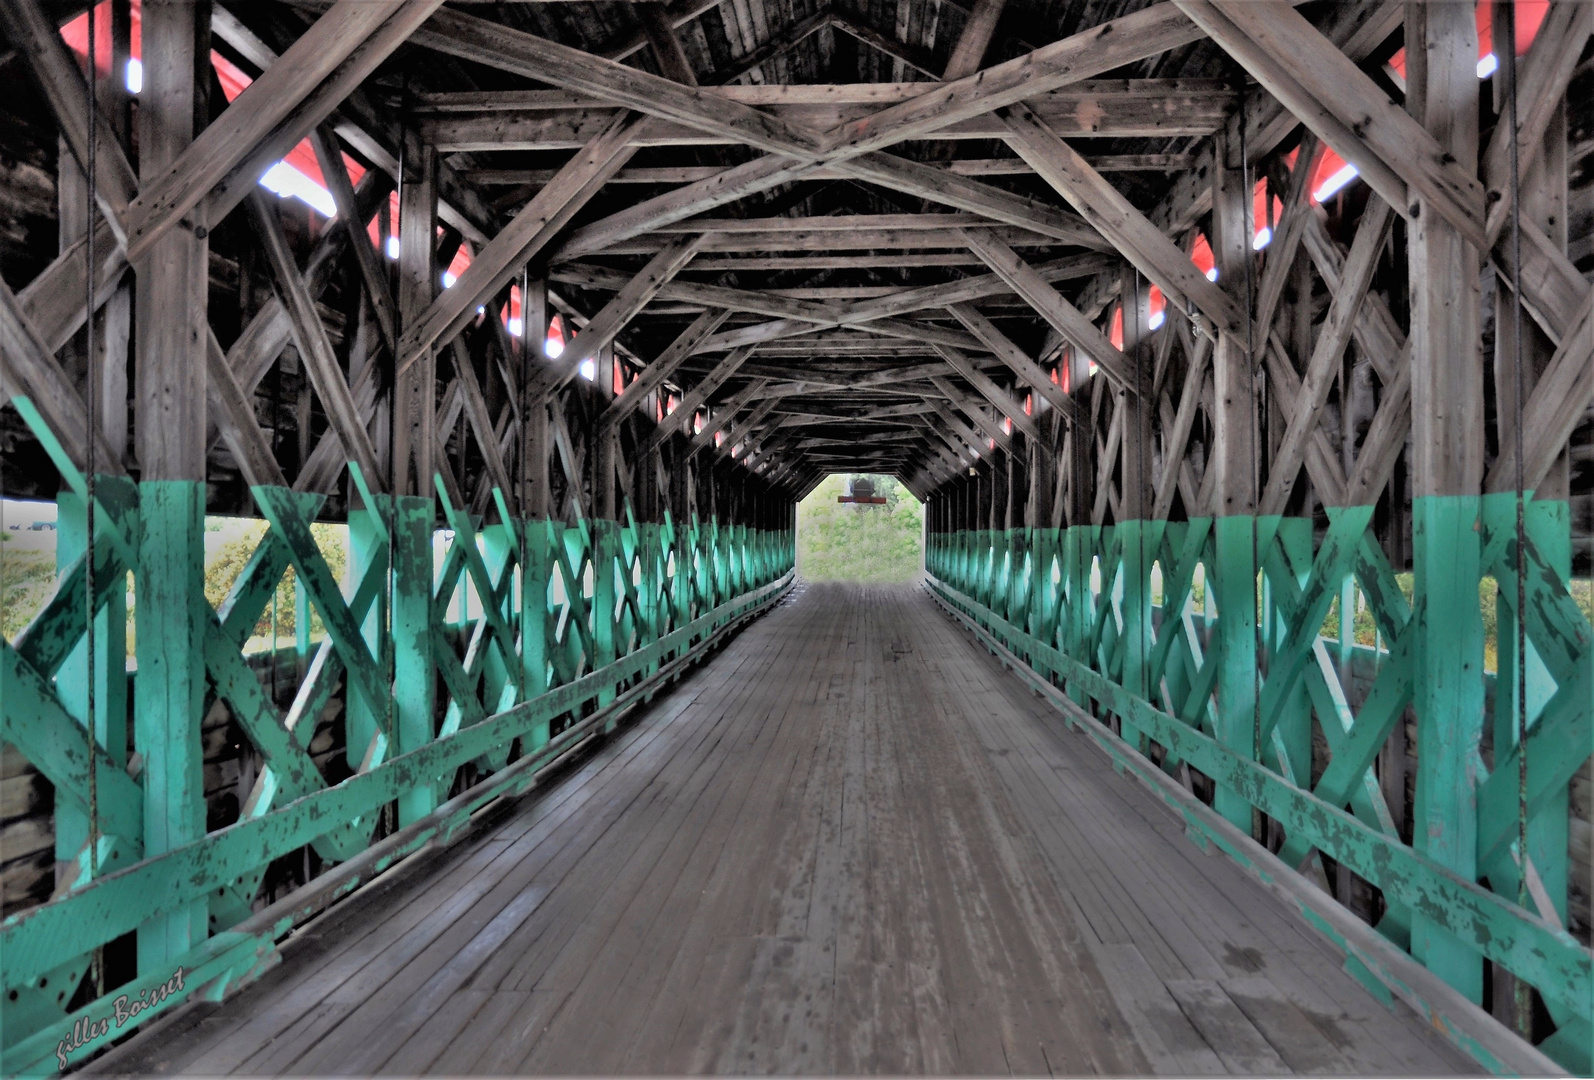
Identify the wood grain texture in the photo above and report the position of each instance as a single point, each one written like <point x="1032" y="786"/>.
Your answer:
<point x="851" y="844"/>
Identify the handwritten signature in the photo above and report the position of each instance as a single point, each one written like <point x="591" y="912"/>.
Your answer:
<point x="123" y="1009"/>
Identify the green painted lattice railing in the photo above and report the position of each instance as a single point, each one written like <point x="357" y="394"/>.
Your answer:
<point x="1197" y="686"/>
<point x="575" y="622"/>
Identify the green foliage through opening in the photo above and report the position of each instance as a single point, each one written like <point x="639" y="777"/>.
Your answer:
<point x="855" y="542"/>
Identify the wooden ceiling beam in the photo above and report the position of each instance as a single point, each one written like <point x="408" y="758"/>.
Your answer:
<point x="667" y="51"/>
<point x="664" y="365"/>
<point x="741" y="431"/>
<point x="969" y="52"/>
<point x="807" y="103"/>
<point x="789" y="37"/>
<point x="719" y="417"/>
<point x="840" y="223"/>
<point x="686" y="174"/>
<point x="971" y="442"/>
<point x="1028" y="371"/>
<point x="495" y="45"/>
<point x="695" y="398"/>
<point x="800" y="239"/>
<point x="877" y="310"/>
<point x="624" y="306"/>
<point x="794" y="152"/>
<point x="221" y="166"/>
<point x="1140" y="241"/>
<point x="1100" y="49"/>
<point x="912" y="56"/>
<point x="372" y="133"/>
<point x="1051" y="305"/>
<point x="1322" y="79"/>
<point x="531" y="229"/>
<point x="1008" y="405"/>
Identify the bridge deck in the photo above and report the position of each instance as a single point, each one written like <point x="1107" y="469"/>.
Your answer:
<point x="851" y="844"/>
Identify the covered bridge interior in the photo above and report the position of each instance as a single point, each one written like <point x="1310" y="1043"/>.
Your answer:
<point x="1240" y="351"/>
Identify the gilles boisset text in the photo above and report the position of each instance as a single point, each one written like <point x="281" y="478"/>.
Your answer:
<point x="124" y="1009"/>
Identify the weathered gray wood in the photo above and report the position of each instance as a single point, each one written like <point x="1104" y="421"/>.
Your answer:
<point x="173" y="277"/>
<point x="664" y="365"/>
<point x="1060" y="64"/>
<point x="1139" y="241"/>
<point x="1446" y="359"/>
<point x="742" y="430"/>
<point x="969" y="53"/>
<point x="1322" y="460"/>
<point x="530" y="230"/>
<point x="1386" y="129"/>
<point x="903" y="54"/>
<point x="789" y="37"/>
<point x="982" y="419"/>
<point x="694" y="398"/>
<point x="666" y="45"/>
<point x="1176" y="435"/>
<point x="33" y="34"/>
<point x="1554" y="408"/>
<point x="723" y="415"/>
<point x="635" y="295"/>
<point x="27" y="366"/>
<point x="1544" y="75"/>
<point x="480" y="418"/>
<point x="1063" y="317"/>
<point x="329" y="155"/>
<point x="963" y="430"/>
<point x="965" y="193"/>
<point x="1323" y="366"/>
<point x="361" y="29"/>
<point x="232" y="410"/>
<point x="496" y="45"/>
<point x="321" y="363"/>
<point x="686" y="174"/>
<point x="1281" y="81"/>
<point x="1030" y="373"/>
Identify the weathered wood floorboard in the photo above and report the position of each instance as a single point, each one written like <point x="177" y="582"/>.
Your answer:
<point x="851" y="844"/>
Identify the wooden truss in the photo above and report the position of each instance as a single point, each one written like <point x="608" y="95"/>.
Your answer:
<point x="759" y="281"/>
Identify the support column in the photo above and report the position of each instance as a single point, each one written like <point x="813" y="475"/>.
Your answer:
<point x="1548" y="523"/>
<point x="605" y="531"/>
<point x="1009" y="553"/>
<point x="414" y="675"/>
<point x="1042" y="542"/>
<point x="1078" y="546"/>
<point x="171" y="318"/>
<point x="536" y="555"/>
<point x="1447" y="474"/>
<point x="1236" y="450"/>
<point x="111" y="328"/>
<point x="1139" y="543"/>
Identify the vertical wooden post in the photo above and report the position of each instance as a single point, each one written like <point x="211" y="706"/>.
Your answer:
<point x="536" y="568"/>
<point x="1548" y="519"/>
<point x="605" y="526"/>
<point x="680" y="519"/>
<point x="412" y="467"/>
<point x="414" y="676"/>
<point x="1078" y="541"/>
<point x="1447" y="474"/>
<point x="1236" y="446"/>
<point x="1139" y="546"/>
<point x="1042" y="537"/>
<point x="172" y="330"/>
<point x="111" y="328"/>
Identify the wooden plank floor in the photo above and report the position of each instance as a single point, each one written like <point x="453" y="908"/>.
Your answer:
<point x="851" y="843"/>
